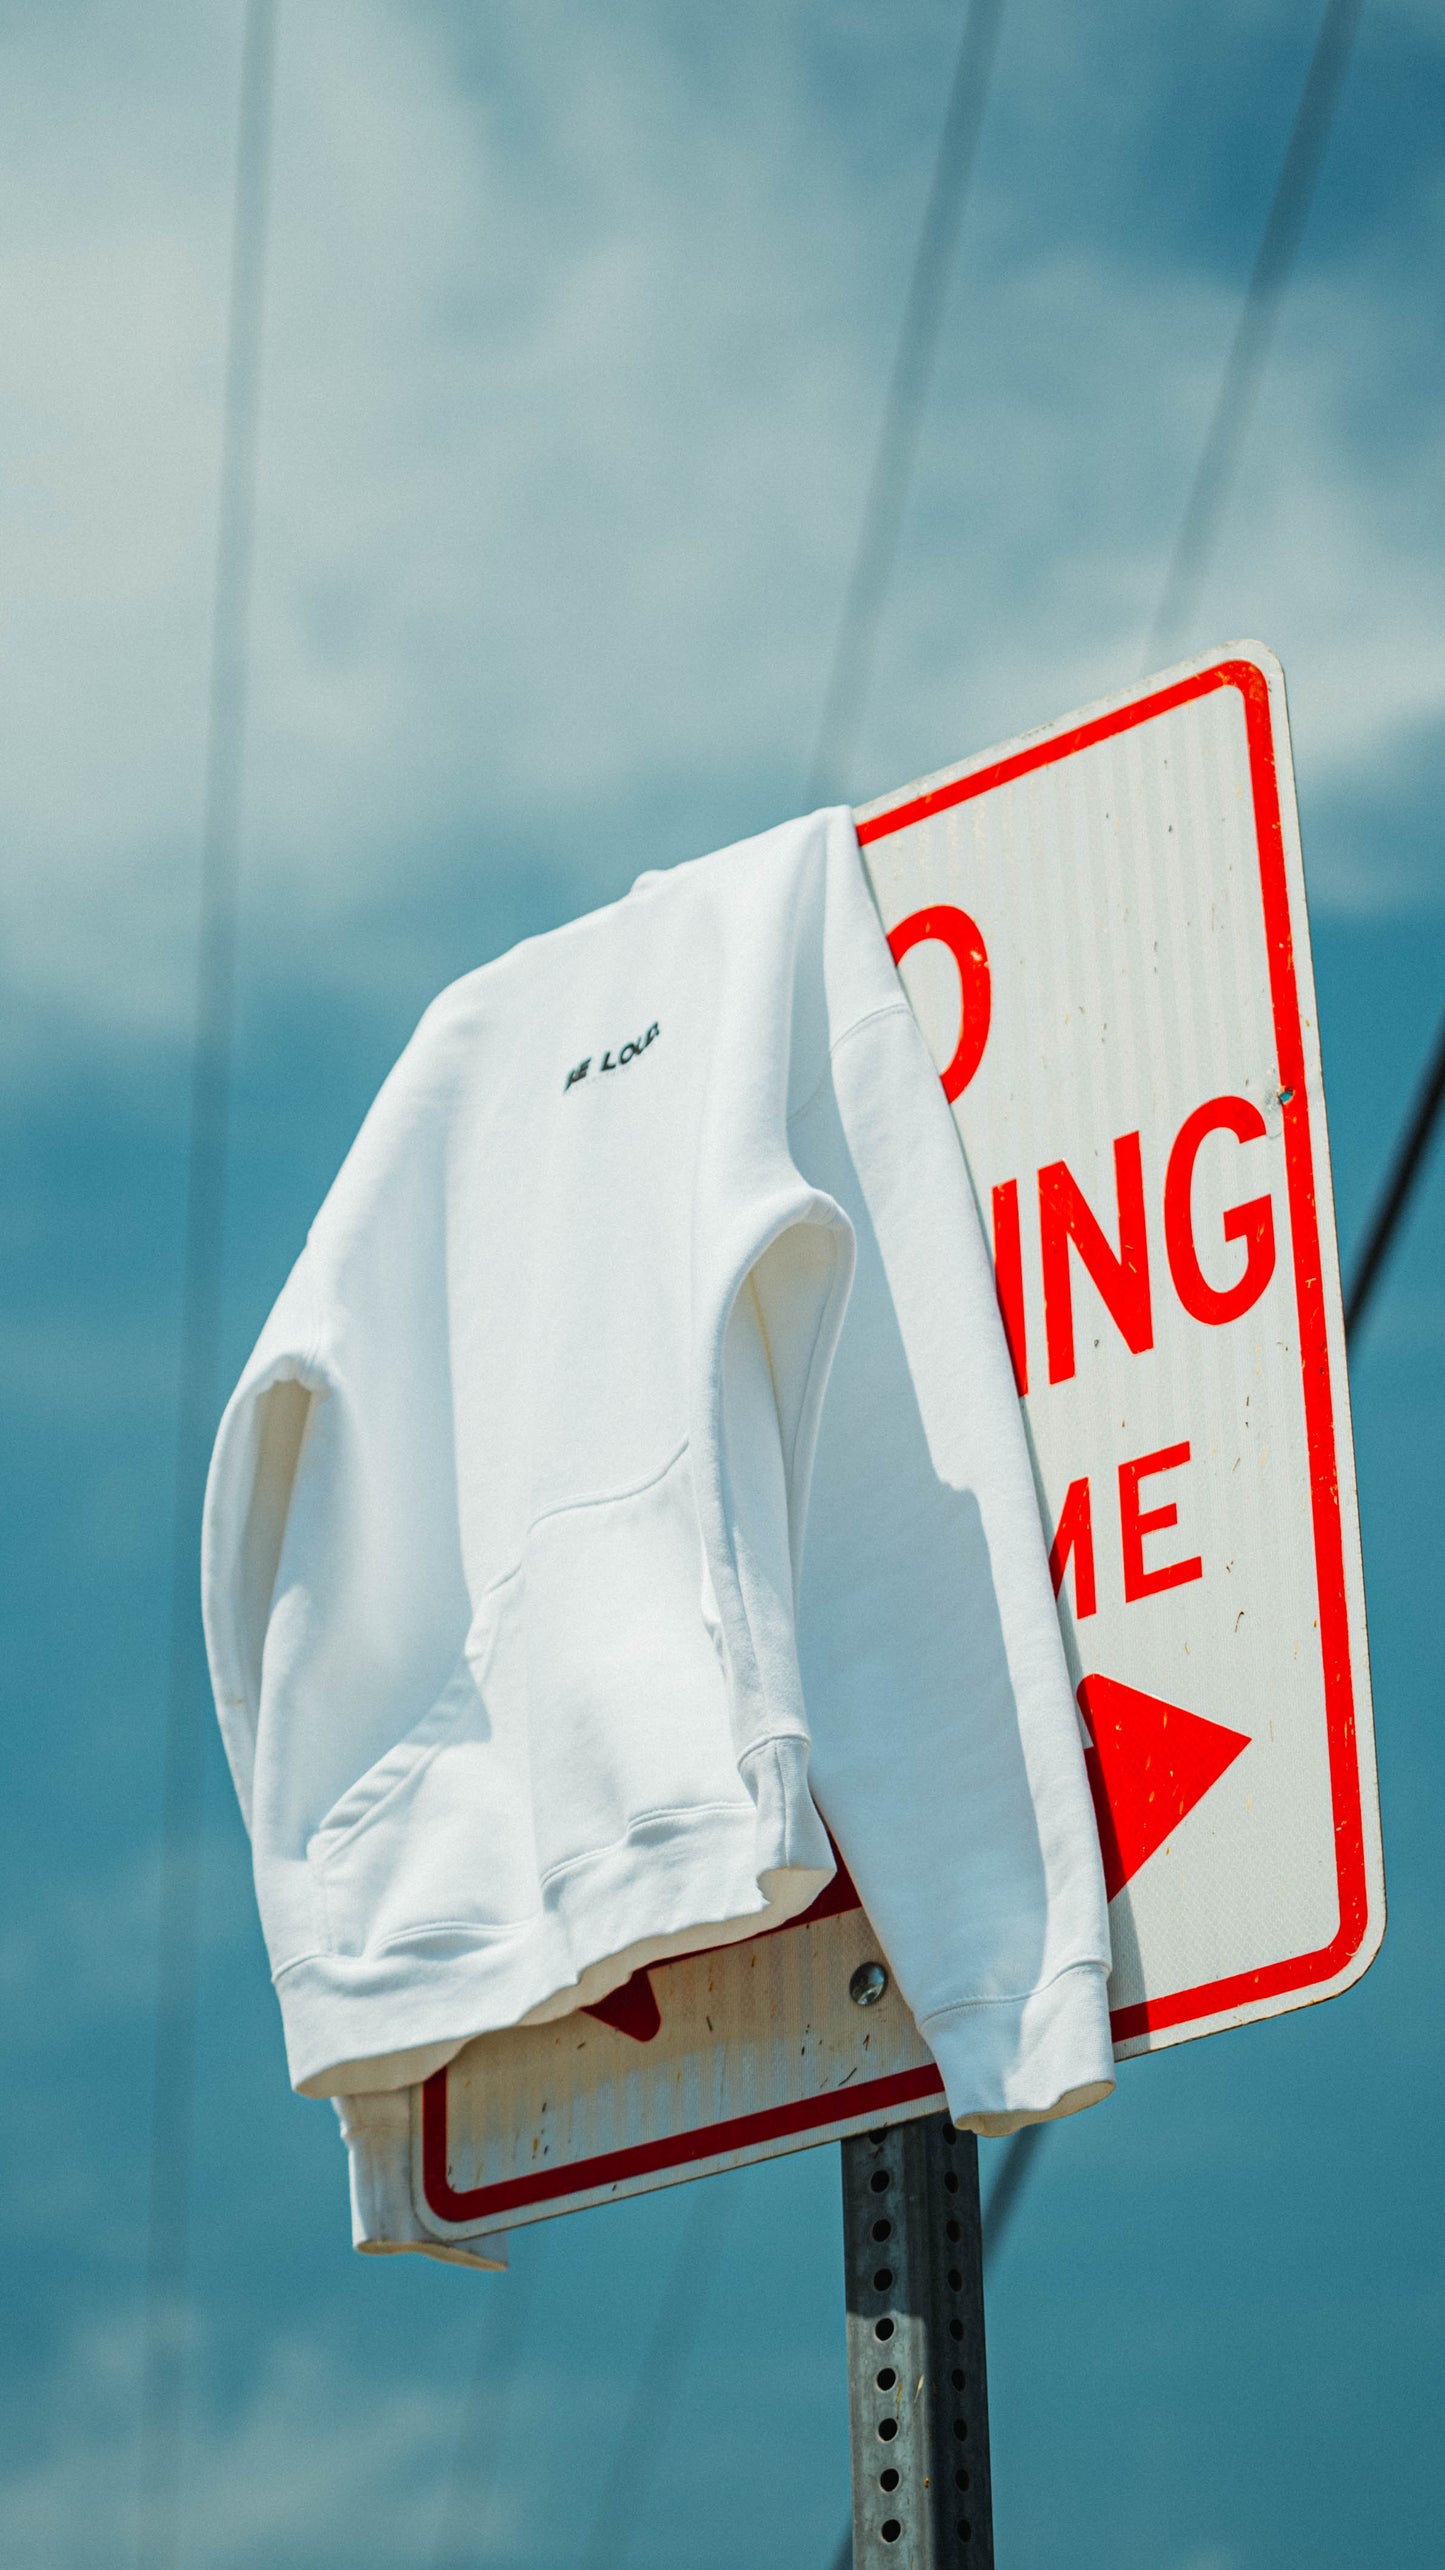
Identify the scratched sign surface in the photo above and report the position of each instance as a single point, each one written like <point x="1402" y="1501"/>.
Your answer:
<point x="1102" y="930"/>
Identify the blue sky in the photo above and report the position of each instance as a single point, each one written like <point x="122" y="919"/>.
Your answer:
<point x="577" y="333"/>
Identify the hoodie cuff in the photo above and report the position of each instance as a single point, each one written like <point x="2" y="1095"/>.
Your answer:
<point x="377" y="2131"/>
<point x="1010" y="2062"/>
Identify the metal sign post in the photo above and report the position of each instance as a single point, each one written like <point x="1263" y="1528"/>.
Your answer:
<point x="917" y="2379"/>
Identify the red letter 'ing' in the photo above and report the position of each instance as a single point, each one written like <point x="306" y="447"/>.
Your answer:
<point x="1252" y="1223"/>
<point x="1122" y="1275"/>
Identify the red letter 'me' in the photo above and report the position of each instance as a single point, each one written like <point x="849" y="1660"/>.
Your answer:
<point x="1121" y="1276"/>
<point x="1076" y="1535"/>
<point x="1136" y="1522"/>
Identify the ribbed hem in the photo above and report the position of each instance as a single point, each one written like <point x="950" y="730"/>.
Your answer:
<point x="678" y="1881"/>
<point x="1010" y="2062"/>
<point x="377" y="2133"/>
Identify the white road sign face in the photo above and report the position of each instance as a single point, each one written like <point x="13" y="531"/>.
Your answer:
<point x="1145" y="1130"/>
<point x="1102" y="930"/>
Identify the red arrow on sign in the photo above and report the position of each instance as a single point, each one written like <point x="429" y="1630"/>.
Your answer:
<point x="633" y="2010"/>
<point x="1148" y="1764"/>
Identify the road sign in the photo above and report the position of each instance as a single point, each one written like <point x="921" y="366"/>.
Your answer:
<point x="1102" y="931"/>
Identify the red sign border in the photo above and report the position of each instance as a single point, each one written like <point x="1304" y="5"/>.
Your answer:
<point x="1235" y="1990"/>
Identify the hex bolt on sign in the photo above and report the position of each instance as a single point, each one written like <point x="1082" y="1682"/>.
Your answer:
<point x="868" y="1985"/>
<point x="917" y="2384"/>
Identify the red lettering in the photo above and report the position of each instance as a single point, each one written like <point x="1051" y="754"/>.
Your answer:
<point x="1252" y="1223"/>
<point x="1076" y="1535"/>
<point x="1135" y="1523"/>
<point x="1008" y="1277"/>
<point x="1121" y="1276"/>
<point x="960" y="934"/>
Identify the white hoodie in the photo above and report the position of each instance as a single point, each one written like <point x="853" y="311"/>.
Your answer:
<point x="505" y="1529"/>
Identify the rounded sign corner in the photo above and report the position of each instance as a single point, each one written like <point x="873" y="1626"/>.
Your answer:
<point x="1259" y="656"/>
<point x="1372" y="1937"/>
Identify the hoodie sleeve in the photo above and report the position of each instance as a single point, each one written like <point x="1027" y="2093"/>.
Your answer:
<point x="946" y="1750"/>
<point x="248" y="1503"/>
<point x="335" y="1604"/>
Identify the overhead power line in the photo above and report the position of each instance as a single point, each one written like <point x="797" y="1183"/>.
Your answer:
<point x="486" y="2420"/>
<point x="1017" y="2161"/>
<point x="843" y="702"/>
<point x="1244" y="367"/>
<point x="166" y="2333"/>
<point x="1274" y="262"/>
<point x="1198" y="531"/>
<point x="643" y="2435"/>
<point x="1399" y="1186"/>
<point x="867" y="590"/>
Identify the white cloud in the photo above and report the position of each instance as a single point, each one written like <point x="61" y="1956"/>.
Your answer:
<point x="354" y="2460"/>
<point x="576" y="340"/>
<point x="315" y="2464"/>
<point x="82" y="1957"/>
<point x="78" y="1966"/>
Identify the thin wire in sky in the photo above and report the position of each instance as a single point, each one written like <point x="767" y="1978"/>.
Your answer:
<point x="166" y="2328"/>
<point x="625" y="2488"/>
<point x="1244" y="367"/>
<point x="487" y="2415"/>
<point x="867" y="591"/>
<point x="1401" y="1180"/>
<point x="642" y="2437"/>
<point x="1198" y="534"/>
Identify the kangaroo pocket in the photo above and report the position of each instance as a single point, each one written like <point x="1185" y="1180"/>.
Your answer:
<point x="627" y="1703"/>
<point x="589" y="1706"/>
<point x="433" y="1841"/>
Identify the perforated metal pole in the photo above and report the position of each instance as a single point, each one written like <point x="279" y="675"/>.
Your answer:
<point x="917" y="2382"/>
